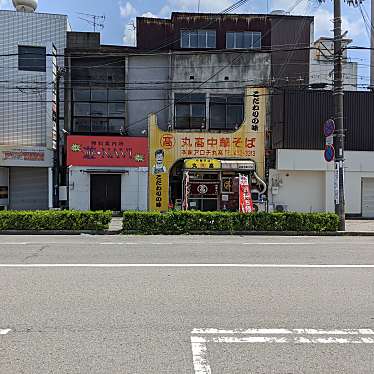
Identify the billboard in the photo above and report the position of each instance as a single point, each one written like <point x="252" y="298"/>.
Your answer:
<point x="110" y="151"/>
<point x="247" y="143"/>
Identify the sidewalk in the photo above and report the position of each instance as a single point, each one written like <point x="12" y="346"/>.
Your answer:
<point x="360" y="226"/>
<point x="116" y="225"/>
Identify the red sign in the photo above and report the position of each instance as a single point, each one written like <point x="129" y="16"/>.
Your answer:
<point x="245" y="198"/>
<point x="111" y="151"/>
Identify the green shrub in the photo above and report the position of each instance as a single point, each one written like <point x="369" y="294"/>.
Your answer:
<point x="54" y="220"/>
<point x="195" y="221"/>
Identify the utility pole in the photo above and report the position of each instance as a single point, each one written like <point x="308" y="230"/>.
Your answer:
<point x="57" y="163"/>
<point x="372" y="47"/>
<point x="339" y="115"/>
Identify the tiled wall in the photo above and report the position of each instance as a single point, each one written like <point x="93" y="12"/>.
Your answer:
<point x="25" y="97"/>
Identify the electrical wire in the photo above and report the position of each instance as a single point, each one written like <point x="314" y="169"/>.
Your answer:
<point x="210" y="78"/>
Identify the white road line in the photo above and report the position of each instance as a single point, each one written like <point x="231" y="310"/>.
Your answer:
<point x="284" y="340"/>
<point x="283" y="243"/>
<point x="4" y="331"/>
<point x="201" y="337"/>
<point x="244" y="266"/>
<point x="284" y="331"/>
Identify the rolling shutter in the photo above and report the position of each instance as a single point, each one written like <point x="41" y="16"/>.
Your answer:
<point x="28" y="188"/>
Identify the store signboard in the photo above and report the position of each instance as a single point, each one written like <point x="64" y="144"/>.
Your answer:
<point x="26" y="156"/>
<point x="109" y="151"/>
<point x="202" y="163"/>
<point x="247" y="143"/>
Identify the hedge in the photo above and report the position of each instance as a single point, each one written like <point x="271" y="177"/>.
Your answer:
<point x="55" y="220"/>
<point x="177" y="222"/>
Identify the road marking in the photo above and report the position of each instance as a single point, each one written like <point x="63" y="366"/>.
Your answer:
<point x="284" y="331"/>
<point x="244" y="266"/>
<point x="174" y="243"/>
<point x="201" y="337"/>
<point x="283" y="243"/>
<point x="4" y="331"/>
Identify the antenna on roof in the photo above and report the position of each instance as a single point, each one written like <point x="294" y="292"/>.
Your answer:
<point x="96" y="21"/>
<point x="198" y="6"/>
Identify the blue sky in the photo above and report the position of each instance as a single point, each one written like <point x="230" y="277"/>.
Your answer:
<point x="121" y="13"/>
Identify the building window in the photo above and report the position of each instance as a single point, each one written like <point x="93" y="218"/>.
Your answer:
<point x="32" y="58"/>
<point x="190" y="111"/>
<point x="98" y="111"/>
<point x="198" y="39"/>
<point x="243" y="40"/>
<point x="226" y="112"/>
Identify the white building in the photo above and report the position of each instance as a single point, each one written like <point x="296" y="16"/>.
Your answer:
<point x="304" y="182"/>
<point x="322" y="65"/>
<point x="27" y="40"/>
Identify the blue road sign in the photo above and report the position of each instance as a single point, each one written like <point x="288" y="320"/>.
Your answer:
<point x="329" y="153"/>
<point x="329" y="128"/>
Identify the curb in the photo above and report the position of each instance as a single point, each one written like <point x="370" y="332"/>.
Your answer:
<point x="210" y="233"/>
<point x="60" y="232"/>
<point x="262" y="233"/>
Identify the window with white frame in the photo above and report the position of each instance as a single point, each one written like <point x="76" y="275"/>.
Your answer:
<point x="198" y="39"/>
<point x="243" y="40"/>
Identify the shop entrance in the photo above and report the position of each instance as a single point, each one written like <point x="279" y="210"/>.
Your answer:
<point x="106" y="192"/>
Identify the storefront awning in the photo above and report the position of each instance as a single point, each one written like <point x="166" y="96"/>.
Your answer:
<point x="238" y="165"/>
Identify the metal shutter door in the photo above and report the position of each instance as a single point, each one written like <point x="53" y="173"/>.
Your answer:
<point x="368" y="197"/>
<point x="28" y="188"/>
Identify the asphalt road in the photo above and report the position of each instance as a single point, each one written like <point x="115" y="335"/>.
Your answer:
<point x="193" y="304"/>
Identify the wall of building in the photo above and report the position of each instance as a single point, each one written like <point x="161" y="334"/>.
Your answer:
<point x="25" y="114"/>
<point x="305" y="182"/>
<point x="322" y="72"/>
<point x="249" y="68"/>
<point x="149" y="91"/>
<point x="134" y="190"/>
<point x="298" y="118"/>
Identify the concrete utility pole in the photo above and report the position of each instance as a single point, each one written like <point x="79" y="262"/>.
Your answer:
<point x="372" y="47"/>
<point x="339" y="115"/>
<point x="57" y="162"/>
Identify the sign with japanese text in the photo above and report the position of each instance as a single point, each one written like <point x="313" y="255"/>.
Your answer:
<point x="26" y="156"/>
<point x="247" y="143"/>
<point x="204" y="163"/>
<point x="245" y="198"/>
<point x="110" y="151"/>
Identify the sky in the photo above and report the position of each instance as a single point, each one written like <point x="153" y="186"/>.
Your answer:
<point x="120" y="16"/>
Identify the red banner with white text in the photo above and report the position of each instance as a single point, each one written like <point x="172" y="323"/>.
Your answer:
<point x="112" y="151"/>
<point x="245" y="198"/>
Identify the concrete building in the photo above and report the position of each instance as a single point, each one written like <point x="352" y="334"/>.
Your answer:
<point x="195" y="79"/>
<point x="300" y="179"/>
<point x="27" y="42"/>
<point x="322" y="65"/>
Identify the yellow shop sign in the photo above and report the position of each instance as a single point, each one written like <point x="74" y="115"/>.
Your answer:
<point x="202" y="163"/>
<point x="247" y="143"/>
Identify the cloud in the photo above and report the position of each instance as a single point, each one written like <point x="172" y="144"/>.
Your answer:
<point x="213" y="6"/>
<point x="127" y="9"/>
<point x="149" y="15"/>
<point x="129" y="35"/>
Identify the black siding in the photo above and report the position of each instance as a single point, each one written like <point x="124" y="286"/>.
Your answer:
<point x="298" y="118"/>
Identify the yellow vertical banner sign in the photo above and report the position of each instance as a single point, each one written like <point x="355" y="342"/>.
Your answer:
<point x="246" y="143"/>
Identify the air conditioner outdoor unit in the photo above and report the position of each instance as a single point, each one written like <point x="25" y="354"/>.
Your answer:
<point x="280" y="208"/>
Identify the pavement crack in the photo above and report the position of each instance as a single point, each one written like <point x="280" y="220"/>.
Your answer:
<point x="36" y="254"/>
